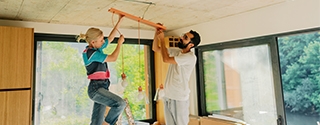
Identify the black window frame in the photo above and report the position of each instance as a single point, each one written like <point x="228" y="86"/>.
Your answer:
<point x="271" y="40"/>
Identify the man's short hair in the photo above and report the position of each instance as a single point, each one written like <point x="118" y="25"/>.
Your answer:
<point x="196" y="38"/>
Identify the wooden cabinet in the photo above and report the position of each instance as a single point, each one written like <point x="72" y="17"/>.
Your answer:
<point x="16" y="75"/>
<point x="15" y="107"/>
<point x="16" y="57"/>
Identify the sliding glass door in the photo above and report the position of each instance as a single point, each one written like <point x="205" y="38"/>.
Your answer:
<point x="268" y="80"/>
<point x="239" y="84"/>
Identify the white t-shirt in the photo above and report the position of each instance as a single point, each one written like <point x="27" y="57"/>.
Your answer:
<point x="176" y="85"/>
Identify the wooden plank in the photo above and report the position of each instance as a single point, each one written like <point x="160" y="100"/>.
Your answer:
<point x="112" y="10"/>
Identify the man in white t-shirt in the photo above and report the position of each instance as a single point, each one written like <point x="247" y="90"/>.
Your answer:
<point x="176" y="88"/>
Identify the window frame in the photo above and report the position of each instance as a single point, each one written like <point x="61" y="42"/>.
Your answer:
<point x="72" y="38"/>
<point x="271" y="40"/>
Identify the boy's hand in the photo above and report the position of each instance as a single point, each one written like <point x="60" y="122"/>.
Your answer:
<point x="121" y="39"/>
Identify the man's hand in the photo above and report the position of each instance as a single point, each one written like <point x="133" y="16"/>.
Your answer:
<point x="158" y="27"/>
<point x="160" y="35"/>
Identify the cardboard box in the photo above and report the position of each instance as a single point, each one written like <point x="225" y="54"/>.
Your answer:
<point x="216" y="121"/>
<point x="194" y="120"/>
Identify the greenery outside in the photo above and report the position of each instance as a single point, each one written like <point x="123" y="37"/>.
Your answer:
<point x="300" y="71"/>
<point x="211" y="90"/>
<point x="62" y="82"/>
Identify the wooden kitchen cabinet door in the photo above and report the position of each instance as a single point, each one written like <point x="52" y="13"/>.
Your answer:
<point x="16" y="57"/>
<point x="15" y="108"/>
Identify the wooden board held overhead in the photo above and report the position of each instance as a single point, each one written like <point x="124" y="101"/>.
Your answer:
<point x="130" y="16"/>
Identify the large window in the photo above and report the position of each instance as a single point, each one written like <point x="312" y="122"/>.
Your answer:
<point x="300" y="70"/>
<point x="61" y="81"/>
<point x="262" y="81"/>
<point x="239" y="84"/>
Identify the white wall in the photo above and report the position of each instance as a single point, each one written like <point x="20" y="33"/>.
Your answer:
<point x="291" y="15"/>
<point x="74" y="29"/>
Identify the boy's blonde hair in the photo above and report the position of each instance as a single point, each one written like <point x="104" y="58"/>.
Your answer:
<point x="91" y="34"/>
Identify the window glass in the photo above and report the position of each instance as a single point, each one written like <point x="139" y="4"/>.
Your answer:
<point x="300" y="73"/>
<point x="239" y="84"/>
<point x="61" y="82"/>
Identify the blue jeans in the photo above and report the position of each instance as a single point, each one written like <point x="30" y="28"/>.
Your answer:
<point x="98" y="91"/>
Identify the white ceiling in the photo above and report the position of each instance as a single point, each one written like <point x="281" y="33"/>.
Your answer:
<point x="172" y="13"/>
